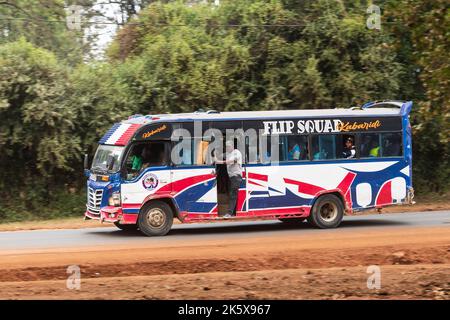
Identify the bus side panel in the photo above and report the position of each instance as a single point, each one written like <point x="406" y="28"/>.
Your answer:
<point x="191" y="189"/>
<point x="363" y="184"/>
<point x="380" y="183"/>
<point x="287" y="189"/>
<point x="194" y="191"/>
<point x="152" y="181"/>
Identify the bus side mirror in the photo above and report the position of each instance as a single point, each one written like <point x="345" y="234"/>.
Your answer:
<point x="86" y="161"/>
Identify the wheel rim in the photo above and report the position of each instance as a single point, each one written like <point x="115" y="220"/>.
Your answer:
<point x="328" y="212"/>
<point x="156" y="217"/>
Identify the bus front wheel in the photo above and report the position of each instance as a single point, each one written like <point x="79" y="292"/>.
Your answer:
<point x="155" y="219"/>
<point x="327" y="212"/>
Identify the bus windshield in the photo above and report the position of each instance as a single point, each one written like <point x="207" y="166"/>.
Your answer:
<point x="101" y="158"/>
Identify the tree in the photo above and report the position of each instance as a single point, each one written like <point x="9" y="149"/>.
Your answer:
<point x="37" y="130"/>
<point x="42" y="22"/>
<point x="422" y="30"/>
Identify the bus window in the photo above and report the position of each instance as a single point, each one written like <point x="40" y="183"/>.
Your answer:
<point x="251" y="150"/>
<point x="297" y="148"/>
<point x="324" y="147"/>
<point x="196" y="154"/>
<point x="145" y="155"/>
<point x="202" y="156"/>
<point x="269" y="146"/>
<point x="370" y="145"/>
<point x="391" y="144"/>
<point x="186" y="155"/>
<point x="345" y="146"/>
<point x="283" y="144"/>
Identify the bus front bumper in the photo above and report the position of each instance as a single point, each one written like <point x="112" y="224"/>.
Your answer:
<point x="112" y="214"/>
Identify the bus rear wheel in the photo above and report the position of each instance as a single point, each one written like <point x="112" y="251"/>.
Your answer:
<point x="155" y="219"/>
<point x="327" y="212"/>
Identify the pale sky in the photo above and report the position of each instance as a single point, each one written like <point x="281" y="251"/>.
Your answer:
<point x="105" y="32"/>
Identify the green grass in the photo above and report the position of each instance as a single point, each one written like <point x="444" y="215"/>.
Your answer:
<point x="60" y="205"/>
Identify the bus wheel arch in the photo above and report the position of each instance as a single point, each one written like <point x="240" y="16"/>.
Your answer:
<point x="156" y="217"/>
<point x="170" y="201"/>
<point x="327" y="210"/>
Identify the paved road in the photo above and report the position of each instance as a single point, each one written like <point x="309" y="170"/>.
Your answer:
<point x="48" y="239"/>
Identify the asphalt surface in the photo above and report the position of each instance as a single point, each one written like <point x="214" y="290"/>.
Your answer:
<point x="73" y="238"/>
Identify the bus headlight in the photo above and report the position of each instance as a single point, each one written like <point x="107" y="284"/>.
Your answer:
<point x="114" y="200"/>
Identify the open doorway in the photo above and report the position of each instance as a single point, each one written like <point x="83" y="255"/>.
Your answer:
<point x="223" y="189"/>
<point x="228" y="188"/>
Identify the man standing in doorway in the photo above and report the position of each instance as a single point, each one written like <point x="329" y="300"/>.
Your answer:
<point x="234" y="169"/>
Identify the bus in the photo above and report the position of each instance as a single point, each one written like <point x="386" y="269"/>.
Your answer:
<point x="314" y="165"/>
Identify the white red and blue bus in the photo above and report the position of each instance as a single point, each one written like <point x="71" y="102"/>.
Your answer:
<point x="135" y="181"/>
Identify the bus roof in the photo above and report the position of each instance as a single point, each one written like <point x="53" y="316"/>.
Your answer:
<point x="247" y="115"/>
<point x="122" y="132"/>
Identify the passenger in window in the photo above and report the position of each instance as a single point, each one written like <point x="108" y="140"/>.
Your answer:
<point x="374" y="149"/>
<point x="154" y="157"/>
<point x="294" y="151"/>
<point x="349" y="148"/>
<point x="320" y="155"/>
<point x="391" y="147"/>
<point x="139" y="161"/>
<point x="136" y="162"/>
<point x="303" y="151"/>
<point x="146" y="157"/>
<point x="365" y="146"/>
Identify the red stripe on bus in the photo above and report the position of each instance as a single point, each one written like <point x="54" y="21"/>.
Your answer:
<point x="241" y="199"/>
<point x="182" y="184"/>
<point x="344" y="186"/>
<point x="256" y="184"/>
<point x="126" y="136"/>
<point x="257" y="176"/>
<point x="385" y="194"/>
<point x="131" y="205"/>
<point x="304" y="187"/>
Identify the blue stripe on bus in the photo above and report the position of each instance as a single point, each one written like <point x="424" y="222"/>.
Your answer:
<point x="288" y="200"/>
<point x="130" y="210"/>
<point x="109" y="133"/>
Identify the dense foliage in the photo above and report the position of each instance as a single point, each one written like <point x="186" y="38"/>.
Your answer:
<point x="241" y="55"/>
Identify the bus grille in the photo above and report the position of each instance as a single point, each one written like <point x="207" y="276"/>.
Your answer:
<point x="94" y="200"/>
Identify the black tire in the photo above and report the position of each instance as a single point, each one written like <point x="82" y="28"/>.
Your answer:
<point x="327" y="212"/>
<point x="292" y="220"/>
<point x="126" y="227"/>
<point x="155" y="219"/>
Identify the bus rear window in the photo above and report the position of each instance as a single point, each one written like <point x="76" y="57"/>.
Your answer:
<point x="391" y="144"/>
